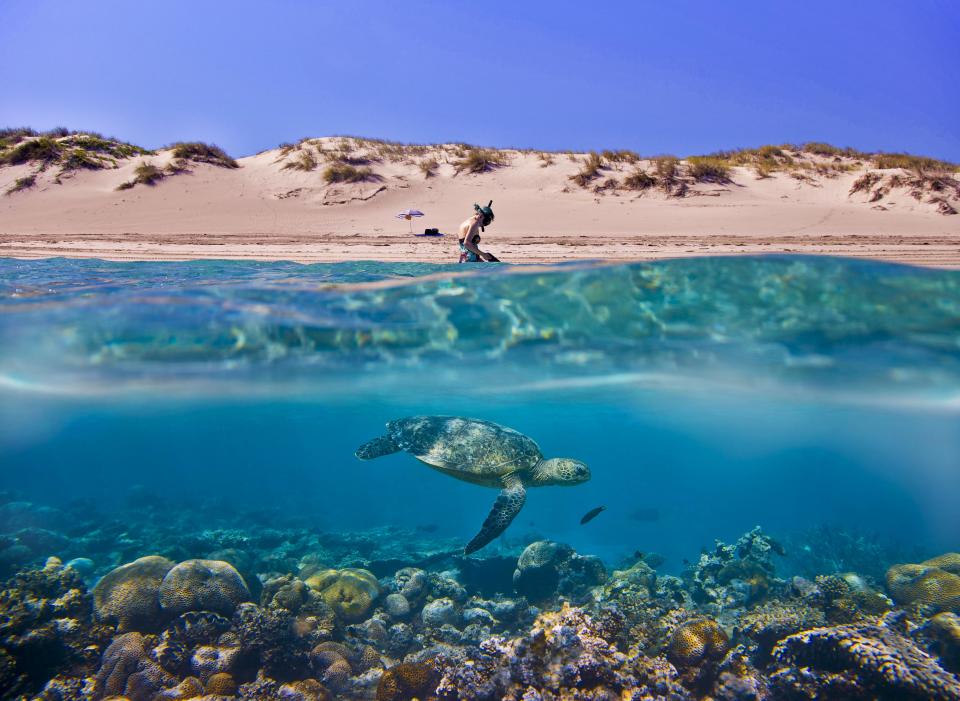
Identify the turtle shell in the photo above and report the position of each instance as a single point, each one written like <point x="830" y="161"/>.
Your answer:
<point x="471" y="449"/>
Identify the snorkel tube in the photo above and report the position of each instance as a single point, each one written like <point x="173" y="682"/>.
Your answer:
<point x="487" y="214"/>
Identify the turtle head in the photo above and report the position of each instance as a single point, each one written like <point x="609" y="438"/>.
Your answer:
<point x="562" y="471"/>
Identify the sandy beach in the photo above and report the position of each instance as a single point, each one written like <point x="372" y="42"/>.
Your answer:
<point x="278" y="205"/>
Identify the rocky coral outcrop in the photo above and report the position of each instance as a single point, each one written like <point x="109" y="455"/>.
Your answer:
<point x="925" y="585"/>
<point x="128" y="596"/>
<point x="202" y="585"/>
<point x="861" y="662"/>
<point x="46" y="628"/>
<point x="349" y="592"/>
<point x="546" y="568"/>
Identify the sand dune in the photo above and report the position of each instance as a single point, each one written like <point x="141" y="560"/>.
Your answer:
<point x="266" y="209"/>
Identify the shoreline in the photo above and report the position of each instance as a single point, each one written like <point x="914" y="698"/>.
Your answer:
<point x="290" y="204"/>
<point x="940" y="251"/>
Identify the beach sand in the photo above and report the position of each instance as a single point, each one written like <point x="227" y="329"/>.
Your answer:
<point x="263" y="211"/>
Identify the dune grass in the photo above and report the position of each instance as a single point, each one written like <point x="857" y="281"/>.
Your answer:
<point x="639" y="180"/>
<point x="81" y="159"/>
<point x="708" y="169"/>
<point x="42" y="149"/>
<point x="20" y="184"/>
<point x="304" y="161"/>
<point x="71" y="150"/>
<point x="920" y="164"/>
<point x="478" y="160"/>
<point x="144" y="174"/>
<point x="428" y="167"/>
<point x="865" y="182"/>
<point x="589" y="169"/>
<point x="346" y="173"/>
<point x="199" y="152"/>
<point x="621" y="156"/>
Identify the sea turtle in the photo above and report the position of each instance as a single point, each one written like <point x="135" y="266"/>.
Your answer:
<point x="480" y="452"/>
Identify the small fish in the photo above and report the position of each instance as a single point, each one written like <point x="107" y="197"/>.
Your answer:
<point x="592" y="514"/>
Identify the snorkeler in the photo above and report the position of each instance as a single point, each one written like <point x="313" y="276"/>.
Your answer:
<point x="470" y="236"/>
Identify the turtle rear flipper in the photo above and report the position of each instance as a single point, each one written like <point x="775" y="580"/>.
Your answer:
<point x="384" y="445"/>
<point x="505" y="508"/>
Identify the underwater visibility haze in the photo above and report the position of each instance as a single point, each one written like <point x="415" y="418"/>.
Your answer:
<point x="211" y="410"/>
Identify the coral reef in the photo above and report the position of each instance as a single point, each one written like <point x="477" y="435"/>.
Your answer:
<point x="925" y="585"/>
<point x="768" y="624"/>
<point x="696" y="642"/>
<point x="861" y="662"/>
<point x="735" y="575"/>
<point x="129" y="595"/>
<point x="950" y="562"/>
<point x="349" y="592"/>
<point x="46" y="628"/>
<point x="944" y="629"/>
<point x="546" y="568"/>
<point x="407" y="681"/>
<point x="568" y="652"/>
<point x="271" y="609"/>
<point x="202" y="585"/>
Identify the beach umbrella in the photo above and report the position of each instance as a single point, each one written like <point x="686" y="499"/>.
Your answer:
<point x="409" y="214"/>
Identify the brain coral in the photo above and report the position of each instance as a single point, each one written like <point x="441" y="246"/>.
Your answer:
<point x="202" y="585"/>
<point x="922" y="584"/>
<point x="331" y="663"/>
<point x="349" y="592"/>
<point x="121" y="659"/>
<point x="221" y="684"/>
<point x="948" y="561"/>
<point x="127" y="596"/>
<point x="945" y="629"/>
<point x="304" y="690"/>
<point x="697" y="641"/>
<point x="882" y="663"/>
<point x="407" y="681"/>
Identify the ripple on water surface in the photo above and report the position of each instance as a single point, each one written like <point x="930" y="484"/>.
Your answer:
<point x="836" y="326"/>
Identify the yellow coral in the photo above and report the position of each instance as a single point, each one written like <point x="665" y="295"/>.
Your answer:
<point x="221" y="684"/>
<point x="202" y="585"/>
<point x="333" y="659"/>
<point x="406" y="681"/>
<point x="922" y="584"/>
<point x="307" y="690"/>
<point x="128" y="595"/>
<point x="349" y="592"/>
<point x="369" y="658"/>
<point x="945" y="628"/>
<point x="948" y="561"/>
<point x="697" y="641"/>
<point x="189" y="688"/>
<point x="318" y="581"/>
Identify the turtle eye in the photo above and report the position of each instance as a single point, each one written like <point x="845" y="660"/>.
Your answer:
<point x="580" y="471"/>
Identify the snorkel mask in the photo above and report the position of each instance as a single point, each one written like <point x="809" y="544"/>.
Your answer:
<point x="486" y="212"/>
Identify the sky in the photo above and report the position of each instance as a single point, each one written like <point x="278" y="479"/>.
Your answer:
<point x="683" y="77"/>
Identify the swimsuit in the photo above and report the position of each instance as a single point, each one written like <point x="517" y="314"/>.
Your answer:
<point x="466" y="255"/>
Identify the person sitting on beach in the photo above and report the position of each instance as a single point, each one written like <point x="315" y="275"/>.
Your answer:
<point x="470" y="236"/>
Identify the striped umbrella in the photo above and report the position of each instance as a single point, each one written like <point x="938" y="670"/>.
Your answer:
<point x="409" y="214"/>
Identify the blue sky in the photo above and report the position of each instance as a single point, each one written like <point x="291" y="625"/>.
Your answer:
<point x="681" y="77"/>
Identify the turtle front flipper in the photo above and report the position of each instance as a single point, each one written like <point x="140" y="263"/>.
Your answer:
<point x="384" y="445"/>
<point x="505" y="508"/>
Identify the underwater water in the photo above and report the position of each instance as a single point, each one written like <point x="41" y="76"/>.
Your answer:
<point x="808" y="396"/>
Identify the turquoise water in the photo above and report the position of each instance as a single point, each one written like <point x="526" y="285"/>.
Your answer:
<point x="706" y="395"/>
